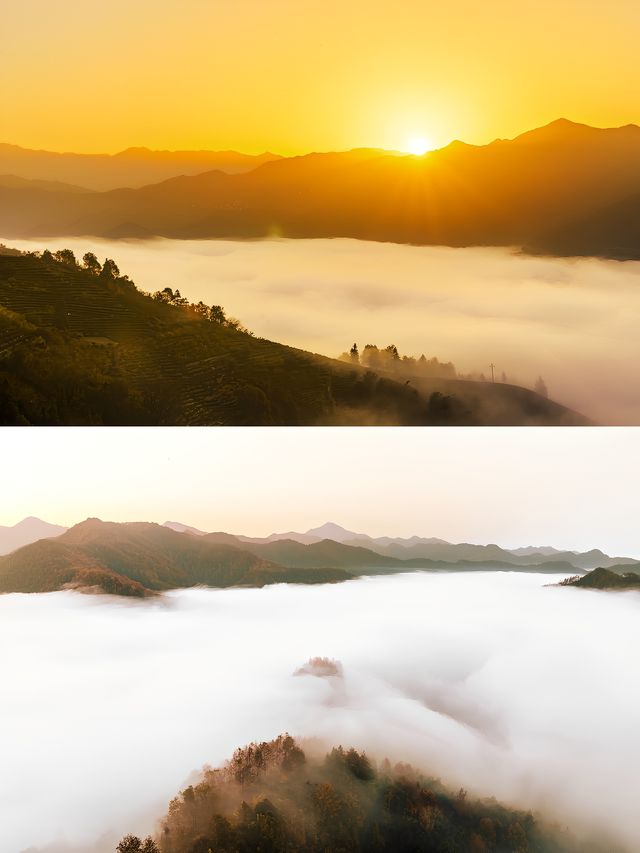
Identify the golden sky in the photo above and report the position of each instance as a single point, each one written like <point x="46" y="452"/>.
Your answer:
<point x="298" y="75"/>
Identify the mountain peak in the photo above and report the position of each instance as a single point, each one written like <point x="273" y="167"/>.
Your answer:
<point x="179" y="527"/>
<point x="329" y="530"/>
<point x="560" y="129"/>
<point x="26" y="531"/>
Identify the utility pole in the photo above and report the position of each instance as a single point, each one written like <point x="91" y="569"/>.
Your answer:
<point x="492" y="365"/>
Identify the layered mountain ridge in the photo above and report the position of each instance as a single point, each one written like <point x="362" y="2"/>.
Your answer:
<point x="141" y="558"/>
<point x="565" y="189"/>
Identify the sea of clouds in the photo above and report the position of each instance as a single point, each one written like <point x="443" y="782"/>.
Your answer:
<point x="574" y="322"/>
<point x="491" y="681"/>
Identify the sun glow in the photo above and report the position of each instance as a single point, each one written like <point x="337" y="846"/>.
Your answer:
<point x="418" y="145"/>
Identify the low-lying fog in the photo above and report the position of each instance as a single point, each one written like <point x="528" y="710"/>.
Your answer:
<point x="491" y="681"/>
<point x="574" y="322"/>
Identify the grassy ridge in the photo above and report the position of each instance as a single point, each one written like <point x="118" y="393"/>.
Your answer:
<point x="75" y="348"/>
<point x="81" y="348"/>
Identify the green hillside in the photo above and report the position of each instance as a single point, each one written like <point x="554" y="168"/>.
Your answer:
<point x="78" y="347"/>
<point x="274" y="797"/>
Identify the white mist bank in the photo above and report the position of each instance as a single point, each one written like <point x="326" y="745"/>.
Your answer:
<point x="571" y="321"/>
<point x="491" y="681"/>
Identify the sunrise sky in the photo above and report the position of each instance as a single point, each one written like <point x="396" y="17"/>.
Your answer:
<point x="297" y="75"/>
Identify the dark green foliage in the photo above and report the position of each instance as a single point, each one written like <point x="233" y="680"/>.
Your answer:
<point x="273" y="798"/>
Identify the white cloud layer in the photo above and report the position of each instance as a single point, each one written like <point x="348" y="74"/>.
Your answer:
<point x="490" y="681"/>
<point x="572" y="321"/>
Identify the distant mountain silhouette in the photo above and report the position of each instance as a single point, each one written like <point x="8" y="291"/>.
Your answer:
<point x="183" y="528"/>
<point x="612" y="231"/>
<point x="331" y="531"/>
<point x="288" y="548"/>
<point x="25" y="532"/>
<point x="357" y="559"/>
<point x="454" y="553"/>
<point x="50" y="186"/>
<point x="531" y="191"/>
<point x="133" y="167"/>
<point x="83" y="348"/>
<point x="416" y="547"/>
<point x="139" y="559"/>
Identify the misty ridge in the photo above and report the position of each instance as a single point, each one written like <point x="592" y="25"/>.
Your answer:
<point x="141" y="560"/>
<point x="565" y="189"/>
<point x="494" y="682"/>
<point x="81" y="344"/>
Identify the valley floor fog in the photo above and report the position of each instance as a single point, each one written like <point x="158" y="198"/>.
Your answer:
<point x="492" y="681"/>
<point x="571" y="321"/>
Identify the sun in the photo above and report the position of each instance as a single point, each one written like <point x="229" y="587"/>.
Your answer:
<point x="418" y="145"/>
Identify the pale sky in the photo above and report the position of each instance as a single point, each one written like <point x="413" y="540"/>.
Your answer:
<point x="572" y="488"/>
<point x="299" y="75"/>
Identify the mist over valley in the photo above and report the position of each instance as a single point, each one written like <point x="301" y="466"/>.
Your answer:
<point x="495" y="682"/>
<point x="570" y="322"/>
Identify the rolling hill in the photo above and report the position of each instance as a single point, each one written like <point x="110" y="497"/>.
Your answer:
<point x="138" y="559"/>
<point x="615" y="577"/>
<point x="356" y="559"/>
<point x="426" y="551"/>
<point x="534" y="190"/>
<point x="82" y="348"/>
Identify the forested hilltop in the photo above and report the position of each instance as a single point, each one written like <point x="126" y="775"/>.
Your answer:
<point x="619" y="577"/>
<point x="81" y="344"/>
<point x="275" y="798"/>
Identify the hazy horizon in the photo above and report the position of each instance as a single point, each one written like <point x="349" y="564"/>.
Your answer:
<point x="491" y="681"/>
<point x="466" y="484"/>
<point x="134" y="146"/>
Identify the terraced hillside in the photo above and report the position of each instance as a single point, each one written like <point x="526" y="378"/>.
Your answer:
<point x="81" y="348"/>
